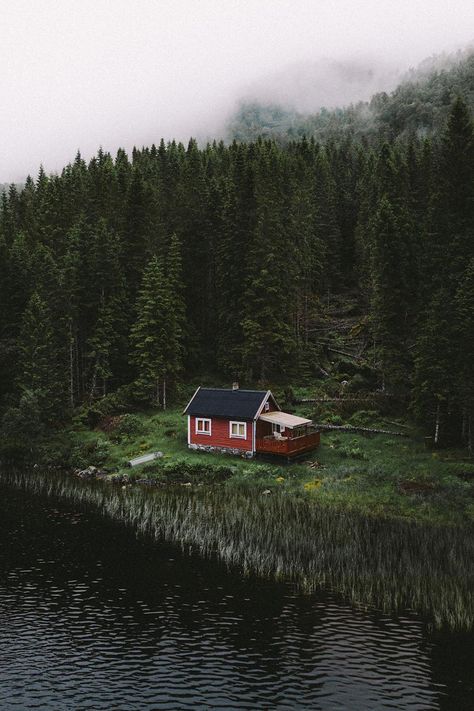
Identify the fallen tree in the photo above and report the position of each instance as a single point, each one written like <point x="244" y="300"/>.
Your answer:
<point x="366" y="398"/>
<point x="355" y="428"/>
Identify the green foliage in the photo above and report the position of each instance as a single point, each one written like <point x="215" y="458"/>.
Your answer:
<point x="128" y="426"/>
<point x="148" y="333"/>
<point x="157" y="335"/>
<point x="248" y="261"/>
<point x="93" y="452"/>
<point x="419" y="105"/>
<point x="183" y="471"/>
<point x="40" y="374"/>
<point x="352" y="453"/>
<point x="115" y="403"/>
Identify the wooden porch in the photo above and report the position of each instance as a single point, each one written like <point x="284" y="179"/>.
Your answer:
<point x="288" y="446"/>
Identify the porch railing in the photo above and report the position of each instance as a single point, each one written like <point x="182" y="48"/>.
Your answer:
<point x="288" y="447"/>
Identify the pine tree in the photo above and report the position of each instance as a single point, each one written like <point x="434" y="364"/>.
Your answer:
<point x="269" y="343"/>
<point x="39" y="370"/>
<point x="326" y="228"/>
<point x="232" y="250"/>
<point x="389" y="308"/>
<point x="148" y="334"/>
<point x="453" y="224"/>
<point x="140" y="230"/>
<point x="434" y="378"/>
<point x="464" y="364"/>
<point x="100" y="347"/>
<point x="7" y="342"/>
<point x="309" y="266"/>
<point x="108" y="311"/>
<point x="174" y="317"/>
<point x="74" y="283"/>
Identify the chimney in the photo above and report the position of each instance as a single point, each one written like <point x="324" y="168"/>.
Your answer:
<point x="235" y="386"/>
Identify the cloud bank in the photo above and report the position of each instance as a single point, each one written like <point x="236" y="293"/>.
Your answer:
<point x="76" y="75"/>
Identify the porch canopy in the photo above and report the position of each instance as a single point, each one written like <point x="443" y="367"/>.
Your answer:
<point x="284" y="419"/>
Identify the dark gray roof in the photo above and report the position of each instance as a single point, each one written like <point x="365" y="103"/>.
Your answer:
<point x="219" y="402"/>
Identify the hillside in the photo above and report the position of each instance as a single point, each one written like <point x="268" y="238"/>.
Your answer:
<point x="125" y="278"/>
<point x="419" y="105"/>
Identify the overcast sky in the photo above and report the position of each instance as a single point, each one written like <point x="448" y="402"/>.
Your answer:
<point x="76" y="74"/>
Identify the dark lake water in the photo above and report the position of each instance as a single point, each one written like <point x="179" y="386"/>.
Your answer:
<point x="93" y="618"/>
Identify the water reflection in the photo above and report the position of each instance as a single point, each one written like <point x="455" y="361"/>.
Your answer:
<point x="92" y="618"/>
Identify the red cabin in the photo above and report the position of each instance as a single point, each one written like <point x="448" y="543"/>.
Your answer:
<point x="246" y="422"/>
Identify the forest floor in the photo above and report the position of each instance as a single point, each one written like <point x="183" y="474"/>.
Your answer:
<point x="378" y="474"/>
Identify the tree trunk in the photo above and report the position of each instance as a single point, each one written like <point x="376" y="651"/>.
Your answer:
<point x="76" y="358"/>
<point x="71" y="367"/>
<point x="164" y="393"/>
<point x="470" y="443"/>
<point x="354" y="428"/>
<point x="94" y="382"/>
<point x="436" y="432"/>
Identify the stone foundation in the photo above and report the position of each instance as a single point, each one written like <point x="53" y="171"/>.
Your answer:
<point x="222" y="450"/>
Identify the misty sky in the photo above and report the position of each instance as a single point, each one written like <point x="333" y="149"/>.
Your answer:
<point x="76" y="74"/>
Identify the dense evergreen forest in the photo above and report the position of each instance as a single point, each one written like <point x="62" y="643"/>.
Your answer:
<point x="134" y="274"/>
<point x="419" y="105"/>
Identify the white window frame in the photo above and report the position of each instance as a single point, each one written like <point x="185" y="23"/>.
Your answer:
<point x="201" y="431"/>
<point x="237" y="436"/>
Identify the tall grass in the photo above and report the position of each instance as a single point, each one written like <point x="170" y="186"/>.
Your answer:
<point x="392" y="565"/>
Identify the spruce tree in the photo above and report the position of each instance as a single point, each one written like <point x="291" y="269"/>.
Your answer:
<point x="106" y="297"/>
<point x="231" y="259"/>
<point x="269" y="343"/>
<point x="174" y="318"/>
<point x="435" y="378"/>
<point x="39" y="370"/>
<point x="100" y="348"/>
<point x="389" y="309"/>
<point x="464" y="363"/>
<point x="453" y="224"/>
<point x="148" y="334"/>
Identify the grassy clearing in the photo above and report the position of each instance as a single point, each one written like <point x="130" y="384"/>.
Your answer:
<point x="375" y="475"/>
<point x="389" y="564"/>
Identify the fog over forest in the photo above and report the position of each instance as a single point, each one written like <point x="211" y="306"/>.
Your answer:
<point x="123" y="74"/>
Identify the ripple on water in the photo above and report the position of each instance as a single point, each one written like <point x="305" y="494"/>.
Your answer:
<point x="91" y="618"/>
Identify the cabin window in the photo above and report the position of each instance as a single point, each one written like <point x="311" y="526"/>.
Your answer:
<point x="203" y="426"/>
<point x="277" y="428"/>
<point x="267" y="407"/>
<point x="238" y="429"/>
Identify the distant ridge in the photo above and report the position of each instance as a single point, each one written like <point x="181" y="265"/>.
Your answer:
<point x="419" y="105"/>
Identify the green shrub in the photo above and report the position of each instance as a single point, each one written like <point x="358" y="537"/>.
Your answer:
<point x="359" y="383"/>
<point x="181" y="471"/>
<point x="171" y="433"/>
<point x="352" y="453"/>
<point x="94" y="452"/>
<point x="364" y="417"/>
<point x="334" y="420"/>
<point x="128" y="426"/>
<point x="113" y="404"/>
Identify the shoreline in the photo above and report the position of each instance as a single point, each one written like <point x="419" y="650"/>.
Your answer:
<point x="391" y="565"/>
<point x="371" y="474"/>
